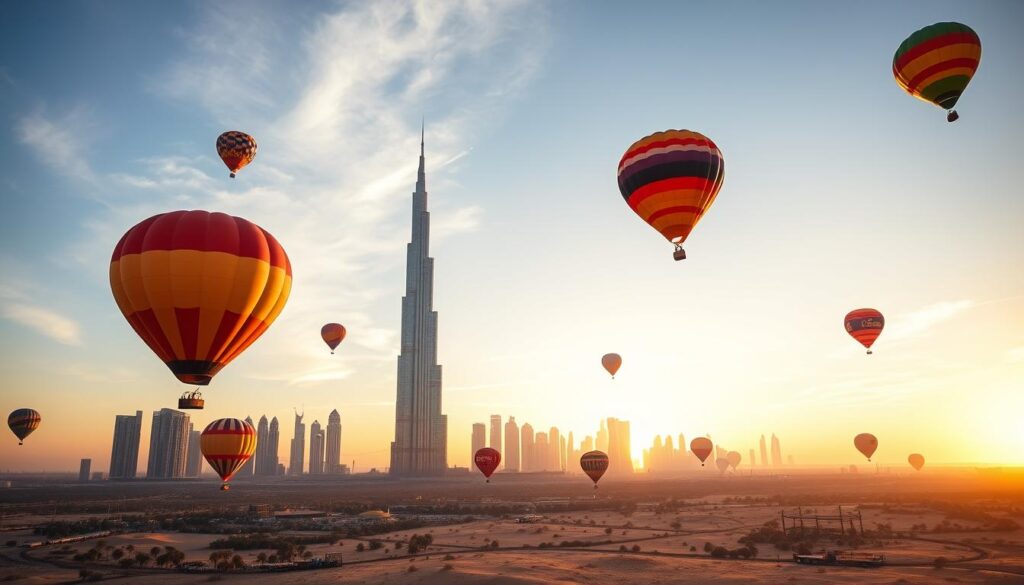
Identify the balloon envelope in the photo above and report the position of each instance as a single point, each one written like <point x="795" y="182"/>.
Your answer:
<point x="487" y="460"/>
<point x="734" y="458"/>
<point x="236" y="149"/>
<point x="594" y="464"/>
<point x="936" y="63"/>
<point x="23" y="421"/>
<point x="701" y="447"/>
<point x="611" y="362"/>
<point x="227" y="443"/>
<point x="333" y="334"/>
<point x="916" y="461"/>
<point x="866" y="443"/>
<point x="199" y="288"/>
<point x="670" y="179"/>
<point x="864" y="325"/>
<point x="722" y="463"/>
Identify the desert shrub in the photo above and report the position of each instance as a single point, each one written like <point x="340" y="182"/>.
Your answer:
<point x="693" y="549"/>
<point x="412" y="569"/>
<point x="708" y="547"/>
<point x="447" y="567"/>
<point x="449" y="557"/>
<point x="622" y="548"/>
<point x="719" y="552"/>
<point x="361" y="547"/>
<point x="375" y="544"/>
<point x="494" y="544"/>
<point x="607" y="530"/>
<point x="636" y="548"/>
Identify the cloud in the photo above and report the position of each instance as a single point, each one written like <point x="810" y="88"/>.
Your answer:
<point x="59" y="141"/>
<point x="43" y="321"/>
<point x="912" y="324"/>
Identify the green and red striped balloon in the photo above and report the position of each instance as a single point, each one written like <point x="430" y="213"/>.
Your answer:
<point x="936" y="63"/>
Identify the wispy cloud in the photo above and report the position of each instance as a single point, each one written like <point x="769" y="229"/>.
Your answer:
<point x="59" y="141"/>
<point x="43" y="321"/>
<point x="917" y="322"/>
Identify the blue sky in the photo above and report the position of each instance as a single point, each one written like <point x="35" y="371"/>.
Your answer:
<point x="841" y="191"/>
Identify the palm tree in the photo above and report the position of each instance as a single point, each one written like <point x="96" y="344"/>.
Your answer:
<point x="142" y="559"/>
<point x="237" y="562"/>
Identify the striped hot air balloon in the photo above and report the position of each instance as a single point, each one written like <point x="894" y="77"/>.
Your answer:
<point x="333" y="334"/>
<point x="22" y="422"/>
<point x="936" y="63"/>
<point x="594" y="464"/>
<point x="236" y="149"/>
<point x="864" y="325"/>
<point x="670" y="179"/>
<point x="227" y="443"/>
<point x="199" y="288"/>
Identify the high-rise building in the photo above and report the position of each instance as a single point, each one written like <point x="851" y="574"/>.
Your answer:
<point x="421" y="430"/>
<point x="297" y="458"/>
<point x="527" y="448"/>
<point x="776" y="451"/>
<point x="262" y="447"/>
<point x="249" y="468"/>
<point x="570" y="453"/>
<point x="332" y="446"/>
<point x="495" y="442"/>
<point x="477" y="441"/>
<point x="602" y="438"/>
<point x="764" y="452"/>
<point x="620" y="460"/>
<point x="753" y="459"/>
<point x="561" y="453"/>
<point x="511" y="454"/>
<point x="541" y="452"/>
<point x="554" y="442"/>
<point x="316" y="448"/>
<point x="586" y="445"/>
<point x="274" y="447"/>
<point x="83" y="469"/>
<point x="194" y="458"/>
<point x="168" y="445"/>
<point x="124" y="454"/>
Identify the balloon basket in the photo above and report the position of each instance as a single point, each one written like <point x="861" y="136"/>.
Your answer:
<point x="225" y="488"/>
<point x="232" y="175"/>
<point x="679" y="254"/>
<point x="952" y="116"/>
<point x="191" y="401"/>
<point x="870" y="352"/>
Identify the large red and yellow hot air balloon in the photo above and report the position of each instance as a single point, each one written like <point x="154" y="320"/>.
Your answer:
<point x="866" y="443"/>
<point x="936" y="63"/>
<point x="487" y="460"/>
<point x="670" y="179"/>
<point x="611" y="362"/>
<point x="236" y="149"/>
<point x="594" y="464"/>
<point x="22" y="422"/>
<point x="701" y="447"/>
<point x="333" y="334"/>
<point x="199" y="288"/>
<point x="227" y="443"/>
<point x="864" y="325"/>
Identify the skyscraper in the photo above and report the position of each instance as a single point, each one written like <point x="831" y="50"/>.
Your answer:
<point x="753" y="459"/>
<point x="332" y="447"/>
<point x="124" y="454"/>
<point x="249" y="468"/>
<point x="83" y="469"/>
<point x="477" y="441"/>
<point x="495" y="442"/>
<point x="620" y="461"/>
<point x="316" y="448"/>
<point x="570" y="453"/>
<point x="528" y="448"/>
<point x="262" y="446"/>
<point x="776" y="451"/>
<point x="168" y="444"/>
<point x="297" y="458"/>
<point x="511" y="454"/>
<point x="602" y="438"/>
<point x="554" y="441"/>
<point x="764" y="452"/>
<point x="194" y="458"/>
<point x="421" y="431"/>
<point x="541" y="452"/>
<point x="561" y="453"/>
<point x="273" y="447"/>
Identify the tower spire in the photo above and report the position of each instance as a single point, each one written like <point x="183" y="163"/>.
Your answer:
<point x="421" y="175"/>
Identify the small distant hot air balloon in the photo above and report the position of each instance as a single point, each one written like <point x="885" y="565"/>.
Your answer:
<point x="487" y="461"/>
<point x="236" y="149"/>
<point x="22" y="422"/>
<point x="866" y="443"/>
<point x="734" y="458"/>
<point x="916" y="461"/>
<point x="670" y="179"/>
<point x="864" y="325"/>
<point x="611" y="362"/>
<point x="701" y="447"/>
<point x="594" y="464"/>
<point x="333" y="334"/>
<point x="199" y="288"/>
<point x="722" y="463"/>
<point x="936" y="63"/>
<point x="227" y="443"/>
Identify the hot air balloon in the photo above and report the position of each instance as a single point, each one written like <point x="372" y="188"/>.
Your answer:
<point x="701" y="447"/>
<point x="227" y="443"/>
<point x="670" y="179"/>
<point x="594" y="464"/>
<point x="236" y="149"/>
<point x="22" y="422"/>
<point x="936" y="63"/>
<point x="333" y="334"/>
<point x="611" y="362"/>
<point x="866" y="443"/>
<point x="734" y="458"/>
<point x="487" y="461"/>
<point x="864" y="325"/>
<point x="199" y="288"/>
<point x="722" y="463"/>
<point x="916" y="461"/>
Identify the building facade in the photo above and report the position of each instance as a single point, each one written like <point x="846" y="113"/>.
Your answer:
<point x="194" y="459"/>
<point x="332" y="448"/>
<point x="511" y="454"/>
<point x="124" y="454"/>
<point x="83" y="469"/>
<point x="477" y="441"/>
<point x="316" y="448"/>
<point x="495" y="440"/>
<point x="168" y="445"/>
<point x="297" y="456"/>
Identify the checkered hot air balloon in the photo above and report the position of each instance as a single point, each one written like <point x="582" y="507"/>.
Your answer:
<point x="670" y="179"/>
<point x="199" y="288"/>
<point x="936" y="63"/>
<point x="22" y="422"/>
<point x="236" y="149"/>
<point x="227" y="443"/>
<point x="864" y="325"/>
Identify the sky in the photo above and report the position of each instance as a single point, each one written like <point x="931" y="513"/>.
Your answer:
<point x="841" y="192"/>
